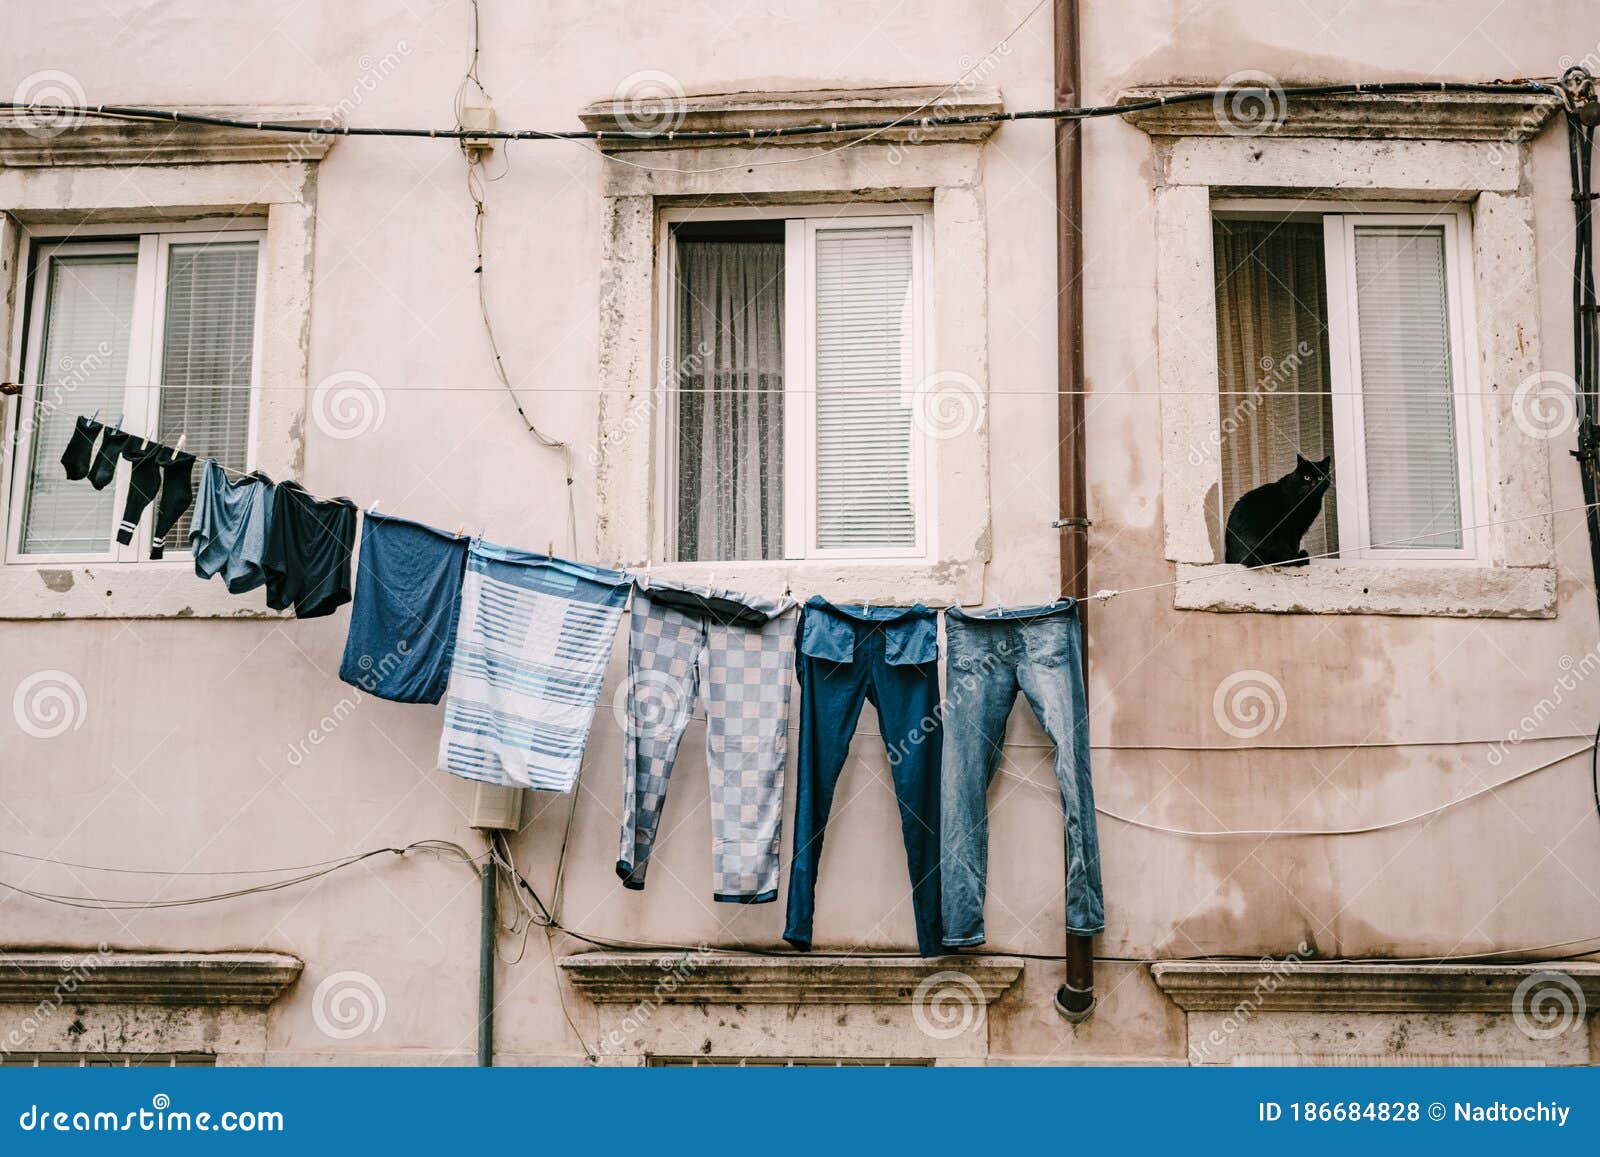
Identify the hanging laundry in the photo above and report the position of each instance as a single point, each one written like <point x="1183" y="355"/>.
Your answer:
<point x="177" y="492"/>
<point x="408" y="598"/>
<point x="144" y="482"/>
<point x="737" y="651"/>
<point x="306" y="556"/>
<point x="847" y="655"/>
<point x="104" y="467"/>
<point x="529" y="659"/>
<point x="1038" y="651"/>
<point x="229" y="529"/>
<point x="79" y="454"/>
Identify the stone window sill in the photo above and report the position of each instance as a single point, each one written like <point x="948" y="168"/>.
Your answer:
<point x="168" y="589"/>
<point x="941" y="583"/>
<point x="1339" y="587"/>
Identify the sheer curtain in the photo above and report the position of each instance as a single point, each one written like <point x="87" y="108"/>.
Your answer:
<point x="1272" y="360"/>
<point x="730" y="408"/>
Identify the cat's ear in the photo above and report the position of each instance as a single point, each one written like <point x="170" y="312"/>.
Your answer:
<point x="1301" y="462"/>
<point x="1326" y="465"/>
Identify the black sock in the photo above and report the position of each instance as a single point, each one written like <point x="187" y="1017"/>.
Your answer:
<point x="105" y="462"/>
<point x="143" y="482"/>
<point x="80" y="447"/>
<point x="177" y="492"/>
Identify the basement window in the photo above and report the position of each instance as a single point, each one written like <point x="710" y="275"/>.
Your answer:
<point x="1341" y="339"/>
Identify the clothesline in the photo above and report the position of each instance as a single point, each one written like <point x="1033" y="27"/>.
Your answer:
<point x="932" y="393"/>
<point x="1107" y="594"/>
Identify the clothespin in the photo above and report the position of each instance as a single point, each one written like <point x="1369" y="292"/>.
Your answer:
<point x="373" y="509"/>
<point x="460" y="529"/>
<point x="95" y="417"/>
<point x="550" y="548"/>
<point x="1000" y="605"/>
<point x="117" y="425"/>
<point x="182" y="438"/>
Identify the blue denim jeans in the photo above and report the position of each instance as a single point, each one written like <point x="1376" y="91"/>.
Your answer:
<point x="1039" y="651"/>
<point x="848" y="655"/>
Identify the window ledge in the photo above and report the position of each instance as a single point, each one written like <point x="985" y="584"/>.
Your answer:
<point x="1338" y="587"/>
<point x="176" y="978"/>
<point x="704" y="977"/>
<point x="1303" y="986"/>
<point x="944" y="583"/>
<point x="168" y="589"/>
<point x="92" y="141"/>
<point x="774" y="110"/>
<point x="1467" y="116"/>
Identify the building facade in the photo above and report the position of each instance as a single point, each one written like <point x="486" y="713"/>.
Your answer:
<point x="1345" y="807"/>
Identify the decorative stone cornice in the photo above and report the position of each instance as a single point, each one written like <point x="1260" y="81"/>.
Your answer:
<point x="172" y="978"/>
<point x="772" y="110"/>
<point x="1465" y="116"/>
<point x="1300" y="986"/>
<point x="700" y="978"/>
<point x="25" y="140"/>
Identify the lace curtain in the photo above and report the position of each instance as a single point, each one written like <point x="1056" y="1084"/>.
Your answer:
<point x="730" y="405"/>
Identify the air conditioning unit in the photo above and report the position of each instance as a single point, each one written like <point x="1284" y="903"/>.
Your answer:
<point x="496" y="808"/>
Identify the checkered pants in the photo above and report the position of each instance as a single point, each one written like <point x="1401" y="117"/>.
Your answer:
<point x="746" y="674"/>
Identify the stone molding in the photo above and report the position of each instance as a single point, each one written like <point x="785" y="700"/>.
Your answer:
<point x="1296" y="986"/>
<point x="1462" y="116"/>
<point x="773" y="110"/>
<point x="168" y="978"/>
<point x="692" y="978"/>
<point x="97" y="141"/>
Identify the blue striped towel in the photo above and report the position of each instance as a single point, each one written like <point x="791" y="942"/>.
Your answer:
<point x="531" y="650"/>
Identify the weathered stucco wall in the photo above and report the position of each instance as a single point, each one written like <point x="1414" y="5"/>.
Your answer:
<point x="195" y="749"/>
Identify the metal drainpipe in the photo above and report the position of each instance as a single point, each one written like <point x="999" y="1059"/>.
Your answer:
<point x="486" y="969"/>
<point x="1074" y="1000"/>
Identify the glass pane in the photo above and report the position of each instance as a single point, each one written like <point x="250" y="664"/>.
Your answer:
<point x="207" y="354"/>
<point x="1272" y="363"/>
<point x="864" y="332"/>
<point x="730" y="401"/>
<point x="1413" y="487"/>
<point x="82" y="367"/>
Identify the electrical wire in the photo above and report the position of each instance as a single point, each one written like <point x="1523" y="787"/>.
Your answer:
<point x="1526" y="86"/>
<point x="437" y="847"/>
<point x="476" y="177"/>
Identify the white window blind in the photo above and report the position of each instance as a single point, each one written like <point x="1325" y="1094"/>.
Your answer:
<point x="1408" y="412"/>
<point x="864" y="495"/>
<point x="82" y="367"/>
<point x="208" y="337"/>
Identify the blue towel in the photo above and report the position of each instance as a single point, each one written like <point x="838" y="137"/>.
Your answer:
<point x="531" y="652"/>
<point x="403" y="624"/>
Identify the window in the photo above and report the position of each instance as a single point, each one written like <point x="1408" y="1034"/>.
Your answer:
<point x="156" y="330"/>
<point x="664" y="1062"/>
<point x="107" y="1060"/>
<point x="1343" y="336"/>
<point x="794" y="344"/>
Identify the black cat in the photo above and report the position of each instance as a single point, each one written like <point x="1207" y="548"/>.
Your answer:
<point x="1267" y="523"/>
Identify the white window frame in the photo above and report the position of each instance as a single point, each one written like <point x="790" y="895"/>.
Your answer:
<point x="802" y="224"/>
<point x="1344" y="365"/>
<point x="1344" y="358"/>
<point x="141" y="391"/>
